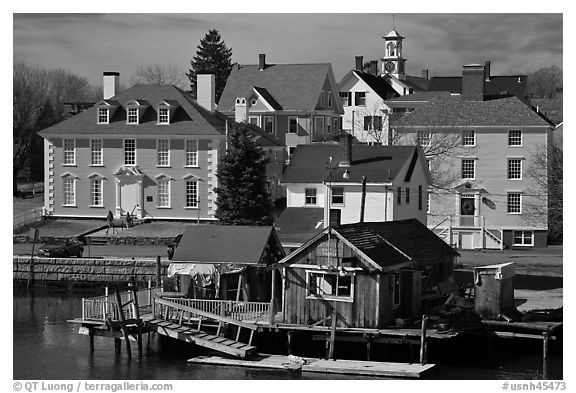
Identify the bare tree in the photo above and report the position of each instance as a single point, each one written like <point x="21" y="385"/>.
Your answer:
<point x="156" y="74"/>
<point x="544" y="82"/>
<point x="372" y="123"/>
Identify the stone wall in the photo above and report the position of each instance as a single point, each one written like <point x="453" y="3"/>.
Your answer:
<point x="98" y="270"/>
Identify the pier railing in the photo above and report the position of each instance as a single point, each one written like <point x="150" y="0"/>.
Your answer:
<point x="101" y="308"/>
<point x="242" y="311"/>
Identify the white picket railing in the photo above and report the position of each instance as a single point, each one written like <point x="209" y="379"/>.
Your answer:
<point x="100" y="308"/>
<point x="238" y="310"/>
<point x="27" y="217"/>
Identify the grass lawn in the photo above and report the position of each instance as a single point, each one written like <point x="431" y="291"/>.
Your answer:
<point x="21" y="205"/>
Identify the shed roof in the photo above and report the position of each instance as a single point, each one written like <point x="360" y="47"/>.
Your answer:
<point x="298" y="224"/>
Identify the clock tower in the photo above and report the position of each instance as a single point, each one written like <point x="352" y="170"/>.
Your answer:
<point x="393" y="62"/>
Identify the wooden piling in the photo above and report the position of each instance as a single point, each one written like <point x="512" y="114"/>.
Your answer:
<point x="332" y="335"/>
<point x="137" y="315"/>
<point x="289" y="340"/>
<point x="423" y="344"/>
<point x="91" y="335"/>
<point x="123" y="322"/>
<point x="545" y="342"/>
<point x="158" y="272"/>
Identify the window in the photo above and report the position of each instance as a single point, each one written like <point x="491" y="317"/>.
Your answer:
<point x="321" y="99"/>
<point x="330" y="99"/>
<point x="360" y="98"/>
<point x="96" y="192"/>
<point x="163" y="193"/>
<point x="103" y="115"/>
<point x="407" y="195"/>
<point x="310" y="196"/>
<point x="253" y="120"/>
<point x="335" y="130"/>
<point x="373" y="123"/>
<point x="346" y="98"/>
<point x="420" y="196"/>
<point x="515" y="138"/>
<point x="163" y="152"/>
<point x="96" y="152"/>
<point x="514" y="168"/>
<point x="292" y="124"/>
<point x="192" y="152"/>
<point x="69" y="152"/>
<point x="468" y="138"/>
<point x="319" y="124"/>
<point x="514" y="202"/>
<point x="424" y="138"/>
<point x="468" y="168"/>
<point x="396" y="289"/>
<point x="332" y="286"/>
<point x="192" y="193"/>
<point x="129" y="151"/>
<point x="338" y="195"/>
<point x="269" y="124"/>
<point x="523" y="238"/>
<point x="399" y="196"/>
<point x="428" y="203"/>
<point x="163" y="116"/>
<point x="69" y="191"/>
<point x="132" y="116"/>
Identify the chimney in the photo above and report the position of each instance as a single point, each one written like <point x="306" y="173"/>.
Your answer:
<point x="487" y="71"/>
<point x="374" y="67"/>
<point x="425" y="74"/>
<point x="110" y="83"/>
<point x="359" y="63"/>
<point x="345" y="149"/>
<point x="473" y="82"/>
<point x="206" y="91"/>
<point x="261" y="61"/>
<point x="241" y="110"/>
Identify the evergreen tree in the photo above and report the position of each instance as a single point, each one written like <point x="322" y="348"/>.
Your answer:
<point x="212" y="56"/>
<point x="242" y="195"/>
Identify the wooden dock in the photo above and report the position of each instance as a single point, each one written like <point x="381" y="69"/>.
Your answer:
<point x="346" y="367"/>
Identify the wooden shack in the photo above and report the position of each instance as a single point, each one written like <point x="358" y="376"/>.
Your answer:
<point x="494" y="289"/>
<point x="227" y="262"/>
<point x="367" y="274"/>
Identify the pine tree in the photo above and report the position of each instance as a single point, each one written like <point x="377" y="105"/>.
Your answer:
<point x="242" y="195"/>
<point x="212" y="56"/>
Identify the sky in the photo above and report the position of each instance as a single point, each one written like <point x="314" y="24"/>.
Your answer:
<point x="89" y="43"/>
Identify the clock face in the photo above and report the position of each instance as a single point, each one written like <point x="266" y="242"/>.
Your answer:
<point x="389" y="66"/>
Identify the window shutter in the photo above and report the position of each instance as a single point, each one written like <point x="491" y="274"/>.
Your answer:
<point x="367" y="121"/>
<point x="378" y="123"/>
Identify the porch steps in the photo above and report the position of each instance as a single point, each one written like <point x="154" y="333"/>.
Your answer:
<point x="199" y="337"/>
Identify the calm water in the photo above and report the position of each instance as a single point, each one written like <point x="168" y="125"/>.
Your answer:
<point x="47" y="347"/>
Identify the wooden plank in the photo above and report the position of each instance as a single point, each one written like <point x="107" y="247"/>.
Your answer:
<point x="261" y="361"/>
<point x="378" y="369"/>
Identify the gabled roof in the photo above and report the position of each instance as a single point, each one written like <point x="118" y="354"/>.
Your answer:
<point x="298" y="224"/>
<point x="504" y="112"/>
<point x="293" y="86"/>
<point x="507" y="85"/>
<point x="189" y="118"/>
<point x="268" y="98"/>
<point x="223" y="244"/>
<point x="309" y="163"/>
<point x="422" y="96"/>
<point x="377" y="83"/>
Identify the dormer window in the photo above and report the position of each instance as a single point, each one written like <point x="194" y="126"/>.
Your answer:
<point x="103" y="115"/>
<point x="132" y="116"/>
<point x="163" y="116"/>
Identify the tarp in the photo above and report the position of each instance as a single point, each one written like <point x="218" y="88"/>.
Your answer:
<point x="204" y="274"/>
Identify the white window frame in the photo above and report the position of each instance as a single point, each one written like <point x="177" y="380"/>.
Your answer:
<point x="473" y="170"/>
<point x="518" y="205"/>
<point x="191" y="153"/>
<point x="257" y="118"/>
<point x="407" y="195"/>
<point x="264" y="124"/>
<point x="96" y="193"/>
<point x="125" y="151"/>
<point x="194" y="200"/>
<point x="517" y="173"/>
<point x="163" y="156"/>
<point x="69" y="191"/>
<point x="103" y="113"/>
<point x="396" y="290"/>
<point x="515" y="140"/>
<point x="163" y="118"/>
<point x="290" y="118"/>
<point x="315" y="196"/>
<point x="96" y="152"/>
<point x="329" y="99"/>
<point x="337" y="275"/>
<point x="130" y="116"/>
<point x="160" y="194"/>
<point x="357" y="95"/>
<point x="332" y="196"/>
<point x="69" y="152"/>
<point x="423" y="138"/>
<point x="346" y="98"/>
<point x="523" y="236"/>
<point x="316" y="118"/>
<point x="469" y="138"/>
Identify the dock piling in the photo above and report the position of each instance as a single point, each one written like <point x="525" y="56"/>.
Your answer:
<point x="545" y="342"/>
<point x="423" y="345"/>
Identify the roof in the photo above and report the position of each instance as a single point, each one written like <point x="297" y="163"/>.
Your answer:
<point x="298" y="224"/>
<point x="222" y="244"/>
<point x="189" y="118"/>
<point x="380" y="85"/>
<point x="422" y="96"/>
<point x="292" y="86"/>
<point x="309" y="163"/>
<point x="459" y="112"/>
<point x="418" y="82"/>
<point x="268" y="98"/>
<point x="507" y="85"/>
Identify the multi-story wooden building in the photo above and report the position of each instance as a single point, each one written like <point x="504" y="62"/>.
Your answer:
<point x="151" y="151"/>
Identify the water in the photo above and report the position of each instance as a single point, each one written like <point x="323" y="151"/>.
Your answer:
<point x="47" y="347"/>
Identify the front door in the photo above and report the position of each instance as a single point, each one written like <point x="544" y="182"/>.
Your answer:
<point x="467" y="210"/>
<point x="129" y="197"/>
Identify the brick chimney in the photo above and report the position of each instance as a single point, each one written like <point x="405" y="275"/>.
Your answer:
<point x="425" y="74"/>
<point x="261" y="61"/>
<point x="473" y="82"/>
<point x="345" y="141"/>
<point x="374" y="67"/>
<point x="359" y="63"/>
<point x="110" y="83"/>
<point x="206" y="91"/>
<point x="241" y="110"/>
<point x="487" y="71"/>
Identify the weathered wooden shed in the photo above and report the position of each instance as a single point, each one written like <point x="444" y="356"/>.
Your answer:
<point x="368" y="274"/>
<point x="228" y="262"/>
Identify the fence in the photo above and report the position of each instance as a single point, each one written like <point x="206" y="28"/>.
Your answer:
<point x="28" y="217"/>
<point x="101" y="308"/>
